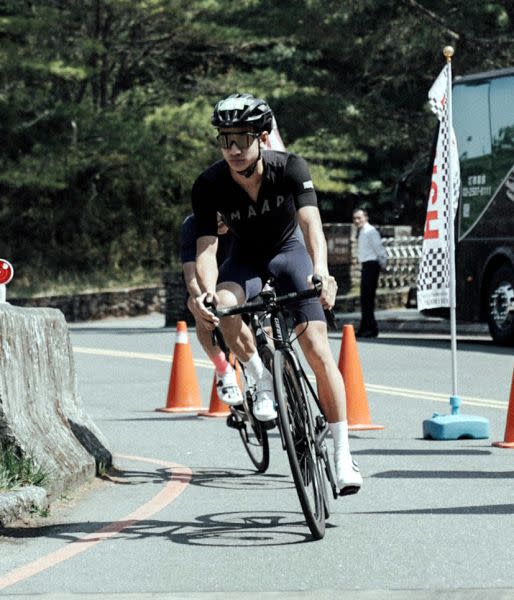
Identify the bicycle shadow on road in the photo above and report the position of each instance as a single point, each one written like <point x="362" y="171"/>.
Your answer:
<point x="120" y="476"/>
<point x="223" y="529"/>
<point x="241" y="479"/>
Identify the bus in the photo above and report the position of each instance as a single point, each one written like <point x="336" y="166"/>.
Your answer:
<point x="483" y="119"/>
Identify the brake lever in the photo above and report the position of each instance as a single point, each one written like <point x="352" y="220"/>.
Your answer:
<point x="209" y="305"/>
<point x="317" y="282"/>
<point x="331" y="320"/>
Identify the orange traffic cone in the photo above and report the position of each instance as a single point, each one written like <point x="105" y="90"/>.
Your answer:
<point x="218" y="408"/>
<point x="509" y="427"/>
<point x="183" y="389"/>
<point x="359" y="417"/>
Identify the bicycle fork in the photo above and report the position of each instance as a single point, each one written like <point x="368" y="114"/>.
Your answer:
<point x="320" y="433"/>
<point x="322" y="451"/>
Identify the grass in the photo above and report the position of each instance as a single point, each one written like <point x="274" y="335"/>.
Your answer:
<point x="16" y="471"/>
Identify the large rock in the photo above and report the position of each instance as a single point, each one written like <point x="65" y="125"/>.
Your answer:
<point x="41" y="414"/>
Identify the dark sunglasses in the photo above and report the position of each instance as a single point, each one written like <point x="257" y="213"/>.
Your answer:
<point x="241" y="140"/>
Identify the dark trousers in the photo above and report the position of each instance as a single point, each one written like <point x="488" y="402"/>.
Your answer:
<point x="369" y="282"/>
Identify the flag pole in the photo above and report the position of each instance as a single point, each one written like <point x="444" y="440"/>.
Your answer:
<point x="454" y="426"/>
<point x="455" y="401"/>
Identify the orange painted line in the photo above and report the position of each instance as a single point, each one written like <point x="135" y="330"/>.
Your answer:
<point x="180" y="478"/>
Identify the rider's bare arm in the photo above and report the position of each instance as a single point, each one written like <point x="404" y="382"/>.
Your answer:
<point x="310" y="223"/>
<point x="312" y="229"/>
<point x="206" y="265"/>
<point x="189" y="270"/>
<point x="206" y="275"/>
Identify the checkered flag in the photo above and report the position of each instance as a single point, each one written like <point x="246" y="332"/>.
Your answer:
<point x="434" y="269"/>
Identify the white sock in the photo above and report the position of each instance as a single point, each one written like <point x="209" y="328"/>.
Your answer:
<point x="339" y="433"/>
<point x="254" y="366"/>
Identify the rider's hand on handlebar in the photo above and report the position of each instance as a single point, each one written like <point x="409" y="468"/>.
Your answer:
<point x="329" y="299"/>
<point x="201" y="308"/>
<point x="328" y="290"/>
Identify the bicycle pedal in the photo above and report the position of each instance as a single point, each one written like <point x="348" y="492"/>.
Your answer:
<point x="349" y="490"/>
<point x="268" y="424"/>
<point x="235" y="423"/>
<point x="320" y="422"/>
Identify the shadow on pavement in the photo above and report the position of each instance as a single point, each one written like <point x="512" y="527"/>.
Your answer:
<point x="240" y="479"/>
<point x="445" y="474"/>
<point x="486" y="509"/>
<point x="404" y="452"/>
<point x="225" y="529"/>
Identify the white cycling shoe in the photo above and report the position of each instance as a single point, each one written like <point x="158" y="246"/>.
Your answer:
<point x="228" y="390"/>
<point x="348" y="477"/>
<point x="264" y="402"/>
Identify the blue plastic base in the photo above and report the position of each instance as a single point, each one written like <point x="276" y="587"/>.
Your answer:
<point x="455" y="427"/>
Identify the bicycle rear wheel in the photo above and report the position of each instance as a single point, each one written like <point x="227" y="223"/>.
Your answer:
<point x="298" y="436"/>
<point x="253" y="434"/>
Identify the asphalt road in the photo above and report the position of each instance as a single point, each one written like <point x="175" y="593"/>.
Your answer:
<point x="185" y="516"/>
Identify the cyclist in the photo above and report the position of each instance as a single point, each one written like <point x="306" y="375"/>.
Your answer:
<point x="262" y="196"/>
<point x="226" y="380"/>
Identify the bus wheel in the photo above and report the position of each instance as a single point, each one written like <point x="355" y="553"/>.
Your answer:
<point x="500" y="310"/>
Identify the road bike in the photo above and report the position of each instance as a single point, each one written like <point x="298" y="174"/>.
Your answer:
<point x="303" y="427"/>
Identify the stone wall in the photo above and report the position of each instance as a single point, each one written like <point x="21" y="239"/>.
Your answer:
<point x="128" y="302"/>
<point x="170" y="298"/>
<point x="175" y="308"/>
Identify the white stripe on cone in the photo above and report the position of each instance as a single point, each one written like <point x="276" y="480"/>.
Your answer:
<point x="181" y="337"/>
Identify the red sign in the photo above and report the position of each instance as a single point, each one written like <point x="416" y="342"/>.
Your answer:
<point x="6" y="271"/>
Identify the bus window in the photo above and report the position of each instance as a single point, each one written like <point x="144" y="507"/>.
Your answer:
<point x="472" y="128"/>
<point x="502" y="127"/>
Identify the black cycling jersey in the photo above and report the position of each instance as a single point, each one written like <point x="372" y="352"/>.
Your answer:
<point x="261" y="226"/>
<point x="189" y="235"/>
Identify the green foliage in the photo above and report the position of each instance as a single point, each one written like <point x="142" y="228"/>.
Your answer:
<point x="105" y="118"/>
<point x="16" y="471"/>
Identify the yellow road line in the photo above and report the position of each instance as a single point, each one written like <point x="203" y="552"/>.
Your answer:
<point x="121" y="353"/>
<point x="379" y="389"/>
<point x="199" y="362"/>
<point x="410" y="393"/>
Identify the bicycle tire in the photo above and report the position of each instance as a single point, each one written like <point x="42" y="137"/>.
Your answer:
<point x="298" y="436"/>
<point x="252" y="432"/>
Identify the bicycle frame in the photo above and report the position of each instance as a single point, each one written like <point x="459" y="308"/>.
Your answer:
<point x="282" y="341"/>
<point x="272" y="305"/>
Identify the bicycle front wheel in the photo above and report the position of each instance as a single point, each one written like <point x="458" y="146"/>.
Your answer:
<point x="298" y="436"/>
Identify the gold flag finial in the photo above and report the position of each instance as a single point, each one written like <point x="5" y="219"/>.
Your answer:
<point x="448" y="51"/>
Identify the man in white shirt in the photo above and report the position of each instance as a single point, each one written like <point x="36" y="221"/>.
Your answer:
<point x="373" y="258"/>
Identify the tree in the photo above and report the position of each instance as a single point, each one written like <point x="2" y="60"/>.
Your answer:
<point x="105" y="119"/>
